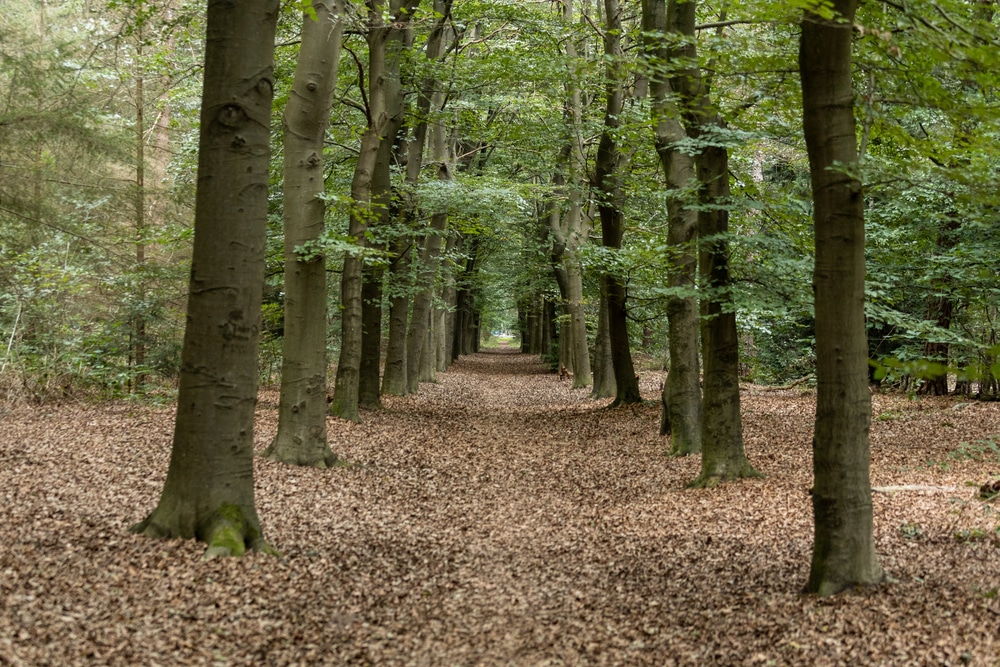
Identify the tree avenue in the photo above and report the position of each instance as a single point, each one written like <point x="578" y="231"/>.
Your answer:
<point x="618" y="188"/>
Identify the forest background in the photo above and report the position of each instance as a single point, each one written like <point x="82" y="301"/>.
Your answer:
<point x="98" y="132"/>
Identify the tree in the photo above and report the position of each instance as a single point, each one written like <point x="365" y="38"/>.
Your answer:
<point x="398" y="44"/>
<point x="568" y="224"/>
<point x="301" y="437"/>
<point x="844" y="547"/>
<point x="420" y="354"/>
<point x="347" y="384"/>
<point x="209" y="493"/>
<point x="723" y="456"/>
<point x="607" y="180"/>
<point x="682" y="391"/>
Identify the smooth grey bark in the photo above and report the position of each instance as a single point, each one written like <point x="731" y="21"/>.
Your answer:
<point x="568" y="229"/>
<point x="347" y="384"/>
<point x="209" y="491"/>
<point x="417" y="335"/>
<point x="611" y="204"/>
<point x="844" y="546"/>
<point x="301" y="438"/>
<point x="397" y="43"/>
<point x="604" y="369"/>
<point x="394" y="375"/>
<point x="723" y="456"/>
<point x="418" y="366"/>
<point x="681" y="416"/>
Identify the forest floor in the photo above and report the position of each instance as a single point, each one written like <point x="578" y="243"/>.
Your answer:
<point x="499" y="518"/>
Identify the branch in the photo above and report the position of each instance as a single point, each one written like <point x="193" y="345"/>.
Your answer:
<point x="361" y="83"/>
<point x="726" y="24"/>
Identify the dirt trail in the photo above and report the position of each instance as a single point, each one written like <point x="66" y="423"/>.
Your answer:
<point x="497" y="518"/>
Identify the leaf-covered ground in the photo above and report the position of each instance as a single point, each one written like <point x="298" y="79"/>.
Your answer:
<point x="498" y="518"/>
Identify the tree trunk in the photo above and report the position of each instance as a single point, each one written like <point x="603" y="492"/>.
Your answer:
<point x="722" y="454"/>
<point x="394" y="377"/>
<point x="604" y="370"/>
<point x="681" y="416"/>
<point x="209" y="492"/>
<point x="139" y="325"/>
<point x="611" y="203"/>
<point x="347" y="385"/>
<point x="844" y="547"/>
<point x="372" y="276"/>
<point x="301" y="437"/>
<point x="417" y="335"/>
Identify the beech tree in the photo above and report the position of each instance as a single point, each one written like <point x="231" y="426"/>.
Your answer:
<point x="723" y="456"/>
<point x="209" y="493"/>
<point x="607" y="181"/>
<point x="681" y="416"/>
<point x="844" y="546"/>
<point x="301" y="437"/>
<point x="347" y="384"/>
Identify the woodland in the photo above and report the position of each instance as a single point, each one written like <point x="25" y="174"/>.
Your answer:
<point x="492" y="332"/>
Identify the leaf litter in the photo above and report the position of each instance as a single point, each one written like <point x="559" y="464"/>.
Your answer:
<point x="499" y="518"/>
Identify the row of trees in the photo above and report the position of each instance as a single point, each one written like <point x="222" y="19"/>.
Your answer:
<point x="480" y="144"/>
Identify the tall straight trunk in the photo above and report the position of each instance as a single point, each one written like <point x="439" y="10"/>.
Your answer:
<point x="604" y="369"/>
<point x="681" y="416"/>
<point x="416" y="335"/>
<point x="844" y="547"/>
<point x="372" y="276"/>
<point x="139" y="326"/>
<point x="610" y="204"/>
<point x="394" y="377"/>
<point x="722" y="453"/>
<point x="442" y="330"/>
<point x="209" y="491"/>
<point x="567" y="226"/>
<point x="723" y="456"/>
<point x="301" y="437"/>
<point x="347" y="384"/>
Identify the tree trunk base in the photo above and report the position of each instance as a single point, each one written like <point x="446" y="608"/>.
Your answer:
<point x="226" y="532"/>
<point x="293" y="453"/>
<point x="341" y="410"/>
<point x="727" y="474"/>
<point x="680" y="448"/>
<point x="827" y="587"/>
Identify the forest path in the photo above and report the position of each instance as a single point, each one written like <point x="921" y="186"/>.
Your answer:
<point x="497" y="518"/>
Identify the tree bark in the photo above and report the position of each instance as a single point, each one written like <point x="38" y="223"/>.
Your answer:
<point x="301" y="437"/>
<point x="417" y="366"/>
<point x="209" y="492"/>
<point x="604" y="369"/>
<point x="610" y="204"/>
<point x="844" y="547"/>
<point x="347" y="385"/>
<point x="394" y="376"/>
<point x="372" y="275"/>
<point x="722" y="453"/>
<point x="681" y="416"/>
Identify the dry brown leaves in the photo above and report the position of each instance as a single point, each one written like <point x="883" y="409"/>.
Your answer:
<point x="498" y="518"/>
